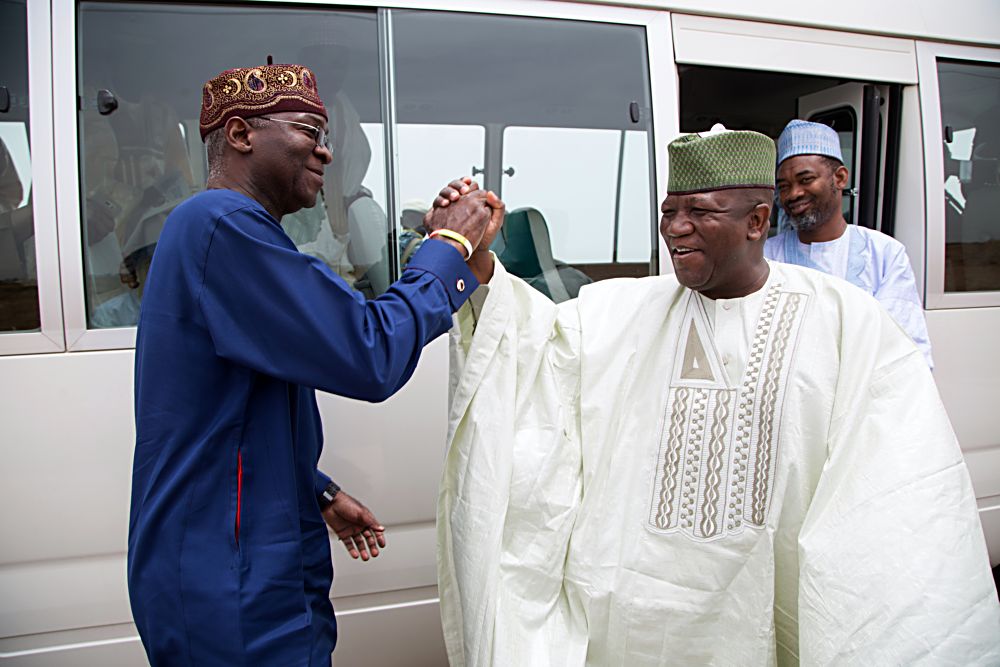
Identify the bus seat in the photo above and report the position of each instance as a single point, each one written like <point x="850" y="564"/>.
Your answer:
<point x="525" y="248"/>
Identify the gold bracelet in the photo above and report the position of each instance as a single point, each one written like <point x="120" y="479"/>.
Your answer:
<point x="454" y="236"/>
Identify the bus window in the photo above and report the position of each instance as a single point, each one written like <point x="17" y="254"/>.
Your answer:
<point x="431" y="155"/>
<point x="18" y="276"/>
<point x="599" y="162"/>
<point x="140" y="148"/>
<point x="551" y="102"/>
<point x="970" y="116"/>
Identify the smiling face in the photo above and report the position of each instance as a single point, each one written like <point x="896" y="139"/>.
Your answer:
<point x="716" y="240"/>
<point x="809" y="187"/>
<point x="288" y="163"/>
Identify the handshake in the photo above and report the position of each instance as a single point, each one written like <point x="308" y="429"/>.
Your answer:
<point x="469" y="219"/>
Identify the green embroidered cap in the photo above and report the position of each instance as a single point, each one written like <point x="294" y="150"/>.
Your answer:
<point x="720" y="159"/>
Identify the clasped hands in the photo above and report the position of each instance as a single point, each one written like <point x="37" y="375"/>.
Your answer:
<point x="477" y="215"/>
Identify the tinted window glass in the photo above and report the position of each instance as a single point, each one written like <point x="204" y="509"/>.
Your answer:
<point x="18" y="275"/>
<point x="599" y="162"/>
<point x="144" y="156"/>
<point x="458" y="150"/>
<point x="544" y="114"/>
<point x="970" y="114"/>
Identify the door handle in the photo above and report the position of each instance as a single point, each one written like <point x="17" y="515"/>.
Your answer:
<point x="106" y="102"/>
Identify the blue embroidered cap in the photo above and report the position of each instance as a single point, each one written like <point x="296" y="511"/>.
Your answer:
<point x="800" y="137"/>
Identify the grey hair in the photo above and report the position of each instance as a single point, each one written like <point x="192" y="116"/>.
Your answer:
<point x="215" y="143"/>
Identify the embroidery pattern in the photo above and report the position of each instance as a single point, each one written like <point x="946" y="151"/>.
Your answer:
<point x="692" y="462"/>
<point x="258" y="90"/>
<point x="743" y="441"/>
<point x="714" y="478"/>
<point x="672" y="456"/>
<point x="718" y="446"/>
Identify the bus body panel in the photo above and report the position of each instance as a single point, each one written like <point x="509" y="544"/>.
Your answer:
<point x="67" y="417"/>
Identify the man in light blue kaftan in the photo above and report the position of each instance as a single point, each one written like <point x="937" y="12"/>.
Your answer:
<point x="811" y="177"/>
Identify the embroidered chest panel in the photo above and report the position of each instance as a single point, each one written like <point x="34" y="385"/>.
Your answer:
<point x="718" y="444"/>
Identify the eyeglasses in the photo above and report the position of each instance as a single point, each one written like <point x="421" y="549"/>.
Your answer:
<point x="319" y="134"/>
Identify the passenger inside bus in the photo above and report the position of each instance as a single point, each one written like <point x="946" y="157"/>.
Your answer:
<point x="412" y="231"/>
<point x="136" y="170"/>
<point x="124" y="307"/>
<point x="347" y="227"/>
<point x="138" y="164"/>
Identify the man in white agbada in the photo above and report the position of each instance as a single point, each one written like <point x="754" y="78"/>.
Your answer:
<point x="811" y="177"/>
<point x="743" y="463"/>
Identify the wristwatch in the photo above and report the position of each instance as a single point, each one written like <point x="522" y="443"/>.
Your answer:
<point x="329" y="493"/>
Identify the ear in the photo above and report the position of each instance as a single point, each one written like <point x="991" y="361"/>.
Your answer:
<point x="840" y="177"/>
<point x="758" y="222"/>
<point x="239" y="135"/>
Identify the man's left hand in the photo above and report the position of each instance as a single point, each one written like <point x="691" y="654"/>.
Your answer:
<point x="481" y="261"/>
<point x="356" y="526"/>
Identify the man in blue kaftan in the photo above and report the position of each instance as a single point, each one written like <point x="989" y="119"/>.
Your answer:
<point x="229" y="560"/>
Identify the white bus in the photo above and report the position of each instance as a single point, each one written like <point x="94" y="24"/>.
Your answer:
<point x="564" y="108"/>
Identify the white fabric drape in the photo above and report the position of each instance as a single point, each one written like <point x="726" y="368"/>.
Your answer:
<point x="612" y="496"/>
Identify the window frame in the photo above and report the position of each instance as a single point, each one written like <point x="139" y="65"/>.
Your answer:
<point x="664" y="81"/>
<point x="928" y="55"/>
<point x="49" y="338"/>
<point x="67" y="154"/>
<point x="772" y="47"/>
<point x="79" y="336"/>
<point x="63" y="119"/>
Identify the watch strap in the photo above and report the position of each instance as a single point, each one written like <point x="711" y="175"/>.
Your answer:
<point x="329" y="493"/>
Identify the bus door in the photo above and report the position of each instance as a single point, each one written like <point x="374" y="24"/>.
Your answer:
<point x="860" y="114"/>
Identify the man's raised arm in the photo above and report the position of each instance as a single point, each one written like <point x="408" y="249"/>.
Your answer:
<point x="512" y="481"/>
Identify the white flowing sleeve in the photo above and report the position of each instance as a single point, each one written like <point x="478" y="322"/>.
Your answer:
<point x="512" y="481"/>
<point x="893" y="564"/>
<point x="897" y="292"/>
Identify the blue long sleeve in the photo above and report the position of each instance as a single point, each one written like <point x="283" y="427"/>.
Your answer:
<point x="287" y="315"/>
